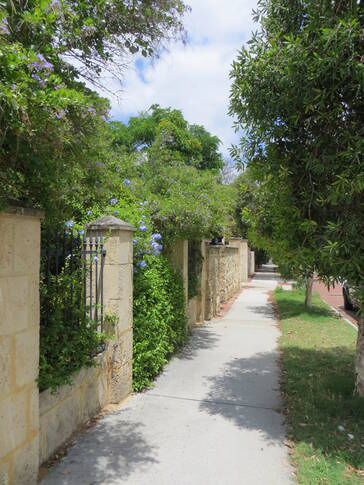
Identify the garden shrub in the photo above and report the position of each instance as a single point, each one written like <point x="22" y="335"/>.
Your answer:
<point x="69" y="340"/>
<point x="160" y="325"/>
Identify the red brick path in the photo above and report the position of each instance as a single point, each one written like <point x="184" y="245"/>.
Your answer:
<point x="334" y="297"/>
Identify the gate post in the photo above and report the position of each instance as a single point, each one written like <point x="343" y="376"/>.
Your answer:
<point x="19" y="345"/>
<point x="118" y="299"/>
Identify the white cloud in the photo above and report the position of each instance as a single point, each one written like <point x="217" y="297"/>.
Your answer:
<point x="195" y="77"/>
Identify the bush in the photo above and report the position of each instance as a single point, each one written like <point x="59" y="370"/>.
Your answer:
<point x="69" y="340"/>
<point x="159" y="319"/>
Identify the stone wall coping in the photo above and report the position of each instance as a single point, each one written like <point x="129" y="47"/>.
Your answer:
<point x="222" y="246"/>
<point x="238" y="239"/>
<point x="109" y="223"/>
<point x="24" y="211"/>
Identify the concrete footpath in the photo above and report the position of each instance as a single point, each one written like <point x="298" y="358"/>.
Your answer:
<point x="213" y="417"/>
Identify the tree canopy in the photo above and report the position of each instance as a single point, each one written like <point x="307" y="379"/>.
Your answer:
<point x="165" y="128"/>
<point x="53" y="135"/>
<point x="176" y="166"/>
<point x="298" y="94"/>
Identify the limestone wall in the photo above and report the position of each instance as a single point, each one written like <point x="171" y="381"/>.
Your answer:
<point x="242" y="245"/>
<point x="63" y="412"/>
<point x="110" y="381"/>
<point x="19" y="346"/>
<point x="223" y="278"/>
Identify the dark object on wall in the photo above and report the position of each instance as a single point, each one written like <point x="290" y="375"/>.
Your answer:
<point x="217" y="241"/>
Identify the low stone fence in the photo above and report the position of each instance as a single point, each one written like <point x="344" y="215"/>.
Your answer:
<point x="33" y="425"/>
<point x="223" y="277"/>
<point x="225" y="269"/>
<point x="110" y="381"/>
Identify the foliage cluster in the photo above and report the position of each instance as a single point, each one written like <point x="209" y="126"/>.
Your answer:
<point x="298" y="93"/>
<point x="179" y="166"/>
<point x="58" y="153"/>
<point x="195" y="261"/>
<point x="160" y="326"/>
<point x="69" y="339"/>
<point x="52" y="128"/>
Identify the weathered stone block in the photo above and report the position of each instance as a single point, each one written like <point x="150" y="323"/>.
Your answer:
<point x="123" y="312"/>
<point x="6" y="245"/>
<point x="117" y="281"/>
<point x="57" y="425"/>
<point x="121" y="382"/>
<point x="26" y="245"/>
<point x="26" y="356"/>
<point x="33" y="420"/>
<point x="126" y="346"/>
<point x="14" y="304"/>
<point x="118" y="248"/>
<point x="13" y="422"/>
<point x="6" y="365"/>
<point x="26" y="463"/>
<point x="93" y="400"/>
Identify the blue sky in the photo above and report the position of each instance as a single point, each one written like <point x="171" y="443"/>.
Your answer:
<point x="192" y="77"/>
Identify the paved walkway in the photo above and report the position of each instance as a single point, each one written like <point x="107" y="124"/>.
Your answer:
<point x="213" y="417"/>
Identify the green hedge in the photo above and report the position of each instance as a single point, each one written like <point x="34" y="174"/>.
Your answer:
<point x="160" y="324"/>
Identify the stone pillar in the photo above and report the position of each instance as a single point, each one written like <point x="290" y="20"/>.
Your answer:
<point x="203" y="287"/>
<point x="245" y="261"/>
<point x="19" y="346"/>
<point x="251" y="263"/>
<point x="212" y="302"/>
<point x="118" y="299"/>
<point x="178" y="257"/>
<point x="242" y="245"/>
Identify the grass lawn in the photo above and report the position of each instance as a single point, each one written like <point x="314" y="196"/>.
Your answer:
<point x="325" y="422"/>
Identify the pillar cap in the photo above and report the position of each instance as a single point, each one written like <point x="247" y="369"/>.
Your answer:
<point x="24" y="211"/>
<point x="109" y="223"/>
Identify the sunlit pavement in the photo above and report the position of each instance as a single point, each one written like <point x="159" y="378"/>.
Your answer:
<point x="214" y="416"/>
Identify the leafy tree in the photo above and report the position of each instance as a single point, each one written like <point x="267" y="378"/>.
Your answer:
<point x="95" y="33"/>
<point x="298" y="93"/>
<point x="166" y="129"/>
<point x="177" y="165"/>
<point x="52" y="128"/>
<point x="187" y="203"/>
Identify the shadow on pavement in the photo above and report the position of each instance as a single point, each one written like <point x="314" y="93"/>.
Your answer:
<point x="200" y="339"/>
<point x="113" y="449"/>
<point x="319" y="392"/>
<point x="246" y="392"/>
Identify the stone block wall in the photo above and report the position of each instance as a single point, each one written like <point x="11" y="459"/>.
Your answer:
<point x="110" y="381"/>
<point x="224" y="271"/>
<point x="223" y="278"/>
<point x="63" y="412"/>
<point x="242" y="245"/>
<point x="19" y="346"/>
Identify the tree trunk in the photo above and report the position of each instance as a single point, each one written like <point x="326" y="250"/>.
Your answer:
<point x="359" y="361"/>
<point x="308" y="296"/>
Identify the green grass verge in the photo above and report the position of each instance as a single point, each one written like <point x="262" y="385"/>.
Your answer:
<point x="317" y="381"/>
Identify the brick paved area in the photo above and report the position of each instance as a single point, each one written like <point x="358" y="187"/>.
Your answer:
<point x="334" y="297"/>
